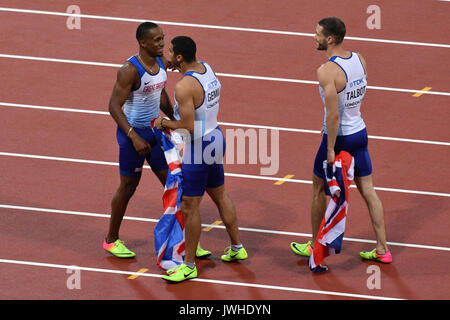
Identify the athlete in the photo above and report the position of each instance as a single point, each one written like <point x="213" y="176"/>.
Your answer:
<point x="140" y="89"/>
<point x="197" y="97"/>
<point x="342" y="86"/>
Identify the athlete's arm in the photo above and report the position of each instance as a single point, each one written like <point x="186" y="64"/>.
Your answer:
<point x="184" y="92"/>
<point x="166" y="105"/>
<point x="122" y="88"/>
<point x="326" y="77"/>
<point x="363" y="63"/>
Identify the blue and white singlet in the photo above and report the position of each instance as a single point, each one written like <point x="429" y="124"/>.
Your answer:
<point x="206" y="113"/>
<point x="142" y="105"/>
<point x="350" y="98"/>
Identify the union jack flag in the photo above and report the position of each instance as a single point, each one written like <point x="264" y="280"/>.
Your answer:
<point x="331" y="232"/>
<point x="169" y="231"/>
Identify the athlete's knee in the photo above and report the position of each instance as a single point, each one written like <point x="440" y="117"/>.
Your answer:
<point x="318" y="189"/>
<point x="365" y="187"/>
<point x="189" y="205"/>
<point x="128" y="185"/>
<point x="218" y="195"/>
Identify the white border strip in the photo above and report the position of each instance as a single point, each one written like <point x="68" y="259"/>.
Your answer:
<point x="285" y="233"/>
<point x="211" y="281"/>
<point x="206" y="26"/>
<point x="27" y="106"/>
<point x="230" y="75"/>
<point x="236" y="175"/>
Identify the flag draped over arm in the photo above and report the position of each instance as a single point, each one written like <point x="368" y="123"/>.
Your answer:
<point x="169" y="231"/>
<point x="331" y="232"/>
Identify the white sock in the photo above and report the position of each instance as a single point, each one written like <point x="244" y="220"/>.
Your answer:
<point x="236" y="247"/>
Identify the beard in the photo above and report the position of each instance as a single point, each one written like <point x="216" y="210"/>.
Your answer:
<point x="322" y="46"/>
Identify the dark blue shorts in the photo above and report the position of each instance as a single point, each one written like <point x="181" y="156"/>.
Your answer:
<point x="130" y="162"/>
<point x="355" y="144"/>
<point x="203" y="164"/>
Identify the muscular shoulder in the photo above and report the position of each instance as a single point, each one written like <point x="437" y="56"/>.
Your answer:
<point x="183" y="88"/>
<point x="188" y="85"/>
<point x="327" y="72"/>
<point x="127" y="73"/>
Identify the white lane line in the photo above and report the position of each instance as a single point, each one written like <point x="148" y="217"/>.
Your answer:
<point x="27" y="106"/>
<point x="242" y="76"/>
<point x="206" y="26"/>
<point x="89" y="63"/>
<point x="236" y="175"/>
<point x="212" y="281"/>
<point x="284" y="233"/>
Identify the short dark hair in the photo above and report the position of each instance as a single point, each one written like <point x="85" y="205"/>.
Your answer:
<point x="143" y="28"/>
<point x="333" y="26"/>
<point x="186" y="47"/>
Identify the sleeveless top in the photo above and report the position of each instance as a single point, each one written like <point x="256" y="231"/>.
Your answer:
<point x="349" y="98"/>
<point x="206" y="113"/>
<point x="142" y="104"/>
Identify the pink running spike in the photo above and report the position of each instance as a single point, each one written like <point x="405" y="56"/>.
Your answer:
<point x="108" y="246"/>
<point x="385" y="258"/>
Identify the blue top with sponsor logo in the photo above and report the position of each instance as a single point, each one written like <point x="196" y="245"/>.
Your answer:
<point x="142" y="104"/>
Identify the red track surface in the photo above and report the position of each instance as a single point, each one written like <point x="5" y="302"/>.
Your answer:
<point x="61" y="239"/>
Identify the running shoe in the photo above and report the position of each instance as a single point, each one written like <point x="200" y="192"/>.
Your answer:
<point x="118" y="249"/>
<point x="173" y="269"/>
<point x="181" y="273"/>
<point x="302" y="249"/>
<point x="320" y="268"/>
<point x="201" y="253"/>
<point x="373" y="255"/>
<point x="231" y="255"/>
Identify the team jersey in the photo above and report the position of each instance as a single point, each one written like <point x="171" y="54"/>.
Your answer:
<point x="206" y="113"/>
<point x="142" y="104"/>
<point x="350" y="98"/>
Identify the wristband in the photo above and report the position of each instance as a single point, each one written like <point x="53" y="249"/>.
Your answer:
<point x="129" y="130"/>
<point x="162" y="126"/>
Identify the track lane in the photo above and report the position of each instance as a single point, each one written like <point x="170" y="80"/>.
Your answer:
<point x="285" y="57"/>
<point x="58" y="134"/>
<point x="293" y="16"/>
<point x="297" y="106"/>
<point x="261" y="269"/>
<point x="402" y="283"/>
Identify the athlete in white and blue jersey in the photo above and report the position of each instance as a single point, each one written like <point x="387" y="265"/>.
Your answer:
<point x="351" y="132"/>
<point x="197" y="97"/>
<point x="343" y="83"/>
<point x="139" y="88"/>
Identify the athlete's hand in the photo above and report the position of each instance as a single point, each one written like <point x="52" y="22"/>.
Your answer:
<point x="158" y="123"/>
<point x="330" y="157"/>
<point x="140" y="145"/>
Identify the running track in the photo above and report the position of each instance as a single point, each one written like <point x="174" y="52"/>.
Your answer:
<point x="58" y="166"/>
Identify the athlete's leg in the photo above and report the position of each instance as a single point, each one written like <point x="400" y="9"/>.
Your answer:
<point x="318" y="205"/>
<point x="365" y="187"/>
<point x="190" y="206"/>
<point x="119" y="204"/>
<point x="130" y="168"/>
<point x="161" y="175"/>
<point x="227" y="212"/>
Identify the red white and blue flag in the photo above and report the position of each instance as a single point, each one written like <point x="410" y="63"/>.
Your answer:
<point x="169" y="231"/>
<point x="331" y="232"/>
